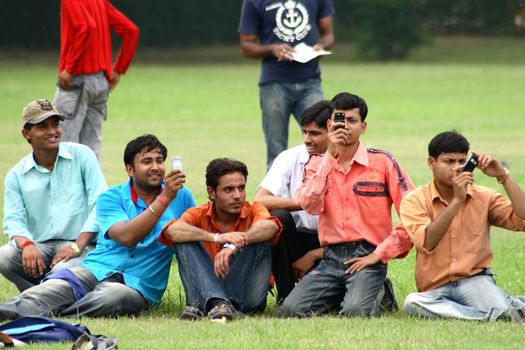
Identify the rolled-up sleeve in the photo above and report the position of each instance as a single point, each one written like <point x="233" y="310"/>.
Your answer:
<point x="415" y="219"/>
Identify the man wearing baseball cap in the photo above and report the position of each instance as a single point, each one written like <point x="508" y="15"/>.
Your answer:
<point x="49" y="201"/>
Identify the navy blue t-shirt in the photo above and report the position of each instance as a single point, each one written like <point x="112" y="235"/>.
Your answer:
<point x="285" y="21"/>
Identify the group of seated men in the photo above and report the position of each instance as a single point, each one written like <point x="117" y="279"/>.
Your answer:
<point x="320" y="227"/>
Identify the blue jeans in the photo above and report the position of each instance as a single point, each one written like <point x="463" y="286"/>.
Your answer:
<point x="328" y="286"/>
<point x="473" y="298"/>
<point x="245" y="286"/>
<point x="278" y="101"/>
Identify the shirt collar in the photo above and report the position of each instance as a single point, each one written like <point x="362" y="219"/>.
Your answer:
<point x="434" y="193"/>
<point x="361" y="155"/>
<point x="30" y="162"/>
<point x="245" y="212"/>
<point x="133" y="194"/>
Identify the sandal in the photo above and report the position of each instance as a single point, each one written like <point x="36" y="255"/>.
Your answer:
<point x="226" y="311"/>
<point x="91" y="342"/>
<point x="191" y="313"/>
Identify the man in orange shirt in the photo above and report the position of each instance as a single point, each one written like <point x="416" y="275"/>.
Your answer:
<point x="449" y="222"/>
<point x="223" y="247"/>
<point x="352" y="190"/>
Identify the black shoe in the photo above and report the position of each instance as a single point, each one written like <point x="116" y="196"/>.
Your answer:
<point x="388" y="302"/>
<point x="191" y="313"/>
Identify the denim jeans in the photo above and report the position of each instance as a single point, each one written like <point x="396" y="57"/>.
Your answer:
<point x="278" y="101"/>
<point x="328" y="286"/>
<point x="11" y="262"/>
<point x="473" y="298"/>
<point x="55" y="298"/>
<point x="245" y="285"/>
<point x="84" y="107"/>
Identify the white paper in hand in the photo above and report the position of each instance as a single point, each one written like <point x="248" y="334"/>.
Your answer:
<point x="303" y="53"/>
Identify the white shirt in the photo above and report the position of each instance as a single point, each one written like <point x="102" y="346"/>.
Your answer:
<point x="284" y="177"/>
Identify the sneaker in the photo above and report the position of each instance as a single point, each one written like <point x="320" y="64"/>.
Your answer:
<point x="226" y="311"/>
<point x="191" y="313"/>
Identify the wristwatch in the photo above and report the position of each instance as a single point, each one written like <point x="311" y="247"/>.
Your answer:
<point x="75" y="248"/>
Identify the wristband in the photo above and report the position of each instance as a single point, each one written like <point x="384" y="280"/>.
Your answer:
<point x="216" y="238"/>
<point x="26" y="244"/>
<point x="230" y="246"/>
<point x="153" y="211"/>
<point x="75" y="247"/>
<point x="162" y="201"/>
<point x="501" y="180"/>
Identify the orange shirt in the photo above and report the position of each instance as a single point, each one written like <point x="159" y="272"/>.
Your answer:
<point x="464" y="250"/>
<point x="203" y="217"/>
<point x="357" y="205"/>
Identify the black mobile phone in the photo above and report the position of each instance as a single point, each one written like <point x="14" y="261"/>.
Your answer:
<point x="339" y="117"/>
<point x="471" y="163"/>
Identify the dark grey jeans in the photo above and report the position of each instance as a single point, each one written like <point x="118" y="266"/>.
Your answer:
<point x="328" y="287"/>
<point x="55" y="298"/>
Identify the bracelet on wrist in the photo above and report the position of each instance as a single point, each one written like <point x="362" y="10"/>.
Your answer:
<point x="216" y="238"/>
<point x="230" y="246"/>
<point x="75" y="247"/>
<point x="502" y="179"/>
<point x="153" y="211"/>
<point x="26" y="244"/>
<point x="162" y="201"/>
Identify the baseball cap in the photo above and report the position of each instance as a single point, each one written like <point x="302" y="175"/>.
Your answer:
<point x="38" y="111"/>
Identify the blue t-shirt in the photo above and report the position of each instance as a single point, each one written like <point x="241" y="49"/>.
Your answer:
<point x="145" y="266"/>
<point x="286" y="21"/>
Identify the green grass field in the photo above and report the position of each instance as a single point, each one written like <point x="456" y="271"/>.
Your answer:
<point x="202" y="111"/>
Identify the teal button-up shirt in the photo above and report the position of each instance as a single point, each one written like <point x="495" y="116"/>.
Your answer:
<point x="42" y="205"/>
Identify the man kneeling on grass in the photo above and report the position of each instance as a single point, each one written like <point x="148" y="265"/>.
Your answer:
<point x="449" y="221"/>
<point x="128" y="270"/>
<point x="223" y="247"/>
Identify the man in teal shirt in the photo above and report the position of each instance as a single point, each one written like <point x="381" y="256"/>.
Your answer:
<point x="49" y="201"/>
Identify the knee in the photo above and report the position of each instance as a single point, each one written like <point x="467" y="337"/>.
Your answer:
<point x="411" y="304"/>
<point x="8" y="255"/>
<point x="292" y="308"/>
<point x="358" y="308"/>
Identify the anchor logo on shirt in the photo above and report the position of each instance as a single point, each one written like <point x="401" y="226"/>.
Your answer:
<point x="291" y="19"/>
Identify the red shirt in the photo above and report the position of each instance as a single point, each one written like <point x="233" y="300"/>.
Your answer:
<point x="85" y="45"/>
<point x="356" y="205"/>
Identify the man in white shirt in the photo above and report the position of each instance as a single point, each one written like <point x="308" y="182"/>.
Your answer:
<point x="298" y="250"/>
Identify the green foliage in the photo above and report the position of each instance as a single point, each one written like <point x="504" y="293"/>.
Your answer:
<point x="382" y="29"/>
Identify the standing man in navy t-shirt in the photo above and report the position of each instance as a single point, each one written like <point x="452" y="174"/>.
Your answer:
<point x="269" y="29"/>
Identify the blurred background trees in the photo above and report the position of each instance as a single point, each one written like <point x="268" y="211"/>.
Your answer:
<point x="380" y="29"/>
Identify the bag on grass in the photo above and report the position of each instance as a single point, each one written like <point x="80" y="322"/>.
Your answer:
<point x="43" y="329"/>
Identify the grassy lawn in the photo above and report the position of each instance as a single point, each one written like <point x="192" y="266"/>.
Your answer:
<point x="202" y="111"/>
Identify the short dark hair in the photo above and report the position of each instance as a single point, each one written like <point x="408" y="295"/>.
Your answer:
<point x="318" y="113"/>
<point x="223" y="166"/>
<point x="144" y="143"/>
<point x="448" y="142"/>
<point x="346" y="101"/>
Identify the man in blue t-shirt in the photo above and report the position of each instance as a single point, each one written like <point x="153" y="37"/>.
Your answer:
<point x="269" y="30"/>
<point x="129" y="267"/>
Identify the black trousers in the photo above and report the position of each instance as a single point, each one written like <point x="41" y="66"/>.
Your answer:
<point x="292" y="246"/>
